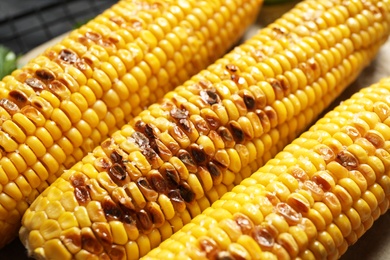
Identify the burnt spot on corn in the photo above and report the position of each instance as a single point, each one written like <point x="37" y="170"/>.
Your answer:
<point x="231" y="68"/>
<point x="102" y="233"/>
<point x="68" y="56"/>
<point x="347" y="160"/>
<point x="177" y="200"/>
<point x="82" y="195"/>
<point x="249" y="99"/>
<point x="226" y="136"/>
<point x="186" y="193"/>
<point x="246" y="225"/>
<point x="171" y="175"/>
<point x="59" y="89"/>
<point x="210" y="96"/>
<point x="89" y="242"/>
<point x="157" y="181"/>
<point x="188" y="161"/>
<point x="263" y="237"/>
<point x="149" y="193"/>
<point x="214" y="170"/>
<point x="177" y="113"/>
<point x="93" y="36"/>
<point x="290" y="215"/>
<point x="209" y="246"/>
<point x="144" y="221"/>
<point x="35" y="83"/>
<point x="111" y="209"/>
<point x="199" y="155"/>
<point x="45" y="75"/>
<point x="117" y="172"/>
<point x="211" y="118"/>
<point x="18" y="97"/>
<point x="236" y="131"/>
<point x="102" y="164"/>
<point x="140" y="139"/>
<point x="9" y="106"/>
<point x="116" y="157"/>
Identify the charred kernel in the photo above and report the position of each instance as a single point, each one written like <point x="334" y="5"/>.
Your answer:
<point x="263" y="237"/>
<point x="147" y="191"/>
<point x="185" y="124"/>
<point x="157" y="181"/>
<point x="186" y="193"/>
<point x="210" y="96"/>
<point x="249" y="100"/>
<point x="144" y="220"/>
<point x="188" y="161"/>
<point x="89" y="241"/>
<point x="151" y="131"/>
<point x="214" y="170"/>
<point x="236" y="131"/>
<point x="375" y="138"/>
<point x="290" y="215"/>
<point x="118" y="172"/>
<point x="163" y="151"/>
<point x="156" y="215"/>
<point x="200" y="124"/>
<point x="316" y="191"/>
<point x="35" y="83"/>
<point x="9" y="106"/>
<point x="324" y="179"/>
<point x="45" y="75"/>
<point x="140" y="139"/>
<point x="347" y="160"/>
<point x="59" y="89"/>
<point x="103" y="233"/>
<point x="209" y="246"/>
<point x="179" y="113"/>
<point x="94" y="36"/>
<point x="111" y="210"/>
<point x="116" y="157"/>
<point x="231" y="68"/>
<point x="211" y="118"/>
<point x="177" y="200"/>
<point x="82" y="195"/>
<point x="240" y="104"/>
<point x="198" y="154"/>
<point x="299" y="174"/>
<point x="226" y="136"/>
<point x="244" y="223"/>
<point x="102" y="164"/>
<point x="151" y="156"/>
<point x="78" y="179"/>
<point x="18" y="97"/>
<point x="170" y="173"/>
<point x="68" y="56"/>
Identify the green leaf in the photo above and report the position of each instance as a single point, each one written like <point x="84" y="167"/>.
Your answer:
<point x="8" y="61"/>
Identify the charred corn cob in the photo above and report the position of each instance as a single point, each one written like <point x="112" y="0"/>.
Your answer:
<point x="180" y="155"/>
<point x="311" y="201"/>
<point x="62" y="104"/>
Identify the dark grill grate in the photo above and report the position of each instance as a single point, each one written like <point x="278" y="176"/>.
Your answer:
<point x="27" y="24"/>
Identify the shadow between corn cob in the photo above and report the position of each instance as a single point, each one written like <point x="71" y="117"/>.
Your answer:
<point x="184" y="152"/>
<point x="62" y="104"/>
<point x="313" y="200"/>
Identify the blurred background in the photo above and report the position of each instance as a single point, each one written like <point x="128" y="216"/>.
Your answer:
<point x="25" y="25"/>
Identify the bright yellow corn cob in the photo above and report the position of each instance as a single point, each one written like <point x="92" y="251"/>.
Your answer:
<point x="62" y="104"/>
<point x="176" y="158"/>
<point x="313" y="200"/>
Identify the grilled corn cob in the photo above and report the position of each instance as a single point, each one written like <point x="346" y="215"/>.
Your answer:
<point x="62" y="104"/>
<point x="311" y="201"/>
<point x="177" y="157"/>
